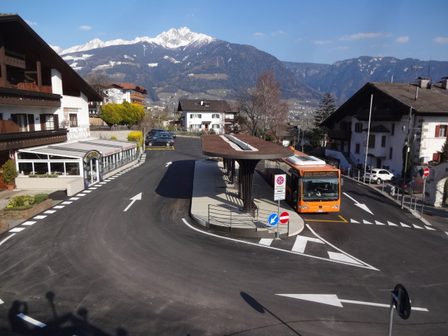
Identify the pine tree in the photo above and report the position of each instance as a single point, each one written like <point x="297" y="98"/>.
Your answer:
<point x="444" y="152"/>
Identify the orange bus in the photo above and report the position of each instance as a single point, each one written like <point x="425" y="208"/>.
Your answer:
<point x="312" y="185"/>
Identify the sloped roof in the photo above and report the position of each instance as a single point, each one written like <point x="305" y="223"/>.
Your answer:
<point x="130" y="86"/>
<point x="203" y="105"/>
<point x="19" y="37"/>
<point x="433" y="100"/>
<point x="391" y="101"/>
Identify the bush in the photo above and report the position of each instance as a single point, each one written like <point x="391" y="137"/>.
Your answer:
<point x="9" y="172"/>
<point x="113" y="137"/>
<point x="22" y="202"/>
<point x="136" y="136"/>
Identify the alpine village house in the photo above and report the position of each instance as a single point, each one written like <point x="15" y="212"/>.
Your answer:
<point x="403" y="117"/>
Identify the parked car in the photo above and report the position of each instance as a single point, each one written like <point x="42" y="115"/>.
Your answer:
<point x="378" y="175"/>
<point x="160" y="139"/>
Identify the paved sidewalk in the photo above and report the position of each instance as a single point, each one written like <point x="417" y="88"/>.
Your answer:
<point x="215" y="201"/>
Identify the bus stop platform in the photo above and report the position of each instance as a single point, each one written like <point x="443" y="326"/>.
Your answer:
<point x="215" y="205"/>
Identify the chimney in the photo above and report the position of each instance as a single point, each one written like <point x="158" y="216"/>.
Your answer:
<point x="424" y="83"/>
<point x="445" y="83"/>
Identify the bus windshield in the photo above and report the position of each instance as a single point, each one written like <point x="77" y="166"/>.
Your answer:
<point x="320" y="186"/>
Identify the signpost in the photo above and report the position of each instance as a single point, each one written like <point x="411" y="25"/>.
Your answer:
<point x="273" y="219"/>
<point x="402" y="303"/>
<point x="284" y="217"/>
<point x="424" y="172"/>
<point x="279" y="192"/>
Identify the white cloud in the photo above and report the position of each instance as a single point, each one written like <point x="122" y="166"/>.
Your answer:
<point x="279" y="33"/>
<point x="362" y="36"/>
<point x="259" y="34"/>
<point x="85" y="27"/>
<point x="321" y="42"/>
<point x="402" y="39"/>
<point x="441" y="40"/>
<point x="31" y="23"/>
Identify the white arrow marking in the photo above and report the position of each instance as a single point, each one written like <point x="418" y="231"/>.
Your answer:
<point x="359" y="205"/>
<point x="333" y="300"/>
<point x="354" y="221"/>
<point x="137" y="197"/>
<point x="379" y="223"/>
<point x="1" y="301"/>
<point x="168" y="164"/>
<point x="31" y="320"/>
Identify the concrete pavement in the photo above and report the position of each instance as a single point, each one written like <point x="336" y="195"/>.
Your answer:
<point x="215" y="204"/>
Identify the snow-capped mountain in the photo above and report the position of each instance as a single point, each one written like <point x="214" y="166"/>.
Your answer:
<point x="171" y="39"/>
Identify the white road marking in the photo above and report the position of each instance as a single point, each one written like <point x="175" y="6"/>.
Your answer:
<point x="31" y="320"/>
<point x="391" y="224"/>
<point x="87" y="191"/>
<point x="102" y="183"/>
<point x="81" y="195"/>
<point x="50" y="212"/>
<point x="417" y="227"/>
<point x="59" y="207"/>
<point x="93" y="188"/>
<point x="341" y="257"/>
<point x="446" y="232"/>
<point x="266" y="241"/>
<point x="16" y="230"/>
<point x="333" y="300"/>
<point x="1" y="301"/>
<point x="354" y="221"/>
<point x="301" y="241"/>
<point x="366" y="221"/>
<point x="404" y="225"/>
<point x="28" y="223"/>
<point x="39" y="217"/>
<point x="379" y="223"/>
<point x="7" y="238"/>
<point x="429" y="228"/>
<point x="363" y="264"/>
<point x="359" y="205"/>
<point x="74" y="198"/>
<point x="133" y="199"/>
<point x="67" y="202"/>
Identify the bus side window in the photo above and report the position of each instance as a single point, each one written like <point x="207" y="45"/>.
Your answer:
<point x="295" y="188"/>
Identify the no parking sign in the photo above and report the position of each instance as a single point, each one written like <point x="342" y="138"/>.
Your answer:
<point x="279" y="187"/>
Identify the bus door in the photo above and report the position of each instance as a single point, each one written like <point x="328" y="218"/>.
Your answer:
<point x="295" y="189"/>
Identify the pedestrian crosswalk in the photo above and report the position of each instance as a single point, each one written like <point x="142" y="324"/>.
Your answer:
<point x="397" y="224"/>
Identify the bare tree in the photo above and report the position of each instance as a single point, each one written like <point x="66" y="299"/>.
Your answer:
<point x="262" y="108"/>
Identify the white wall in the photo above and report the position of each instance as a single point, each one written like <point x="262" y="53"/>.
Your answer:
<point x="79" y="104"/>
<point x="205" y="117"/>
<point x="429" y="143"/>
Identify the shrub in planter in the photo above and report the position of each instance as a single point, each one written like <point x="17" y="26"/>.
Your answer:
<point x="22" y="202"/>
<point x="136" y="136"/>
<point x="9" y="172"/>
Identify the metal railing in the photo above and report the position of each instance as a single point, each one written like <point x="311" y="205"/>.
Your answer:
<point x="232" y="217"/>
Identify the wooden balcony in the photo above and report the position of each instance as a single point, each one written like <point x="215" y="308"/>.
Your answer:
<point x="12" y="138"/>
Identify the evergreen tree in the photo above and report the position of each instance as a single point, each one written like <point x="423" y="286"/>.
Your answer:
<point x="444" y="152"/>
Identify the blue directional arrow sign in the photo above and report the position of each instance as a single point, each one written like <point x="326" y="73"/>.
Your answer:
<point x="273" y="219"/>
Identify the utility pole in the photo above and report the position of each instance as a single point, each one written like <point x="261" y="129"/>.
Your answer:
<point x="368" y="136"/>
<point x="408" y="148"/>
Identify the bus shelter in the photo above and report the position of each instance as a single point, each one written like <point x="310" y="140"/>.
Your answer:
<point x="247" y="150"/>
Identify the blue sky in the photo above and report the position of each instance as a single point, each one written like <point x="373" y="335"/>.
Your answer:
<point x="319" y="31"/>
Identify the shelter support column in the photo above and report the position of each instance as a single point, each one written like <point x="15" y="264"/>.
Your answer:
<point x="246" y="181"/>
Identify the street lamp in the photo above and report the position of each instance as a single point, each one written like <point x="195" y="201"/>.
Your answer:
<point x="368" y="136"/>
<point x="408" y="149"/>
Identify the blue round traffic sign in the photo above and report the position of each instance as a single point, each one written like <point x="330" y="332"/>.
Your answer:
<point x="273" y="219"/>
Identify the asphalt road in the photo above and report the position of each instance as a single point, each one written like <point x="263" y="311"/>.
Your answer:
<point x="92" y="268"/>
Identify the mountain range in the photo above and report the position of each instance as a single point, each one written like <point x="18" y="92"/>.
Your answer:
<point x="180" y="63"/>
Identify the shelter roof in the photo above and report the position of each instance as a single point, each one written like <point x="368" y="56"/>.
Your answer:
<point x="242" y="147"/>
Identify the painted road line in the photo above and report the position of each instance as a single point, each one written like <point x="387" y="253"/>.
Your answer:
<point x="429" y="228"/>
<point x="31" y="320"/>
<point x="324" y="220"/>
<point x="392" y="224"/>
<point x="67" y="202"/>
<point x="301" y="241"/>
<point x="417" y="227"/>
<point x="17" y="229"/>
<point x="28" y="223"/>
<point x="93" y="188"/>
<point x="343" y="219"/>
<point x="379" y="223"/>
<point x="445" y="233"/>
<point x="365" y="221"/>
<point x="81" y="195"/>
<point x="7" y="238"/>
<point x="39" y="217"/>
<point x="1" y="301"/>
<point x="266" y="241"/>
<point x="88" y="191"/>
<point x="341" y="257"/>
<point x="50" y="212"/>
<point x="59" y="207"/>
<point x="74" y="198"/>
<point x="354" y="221"/>
<point x="363" y="265"/>
<point x="404" y="225"/>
